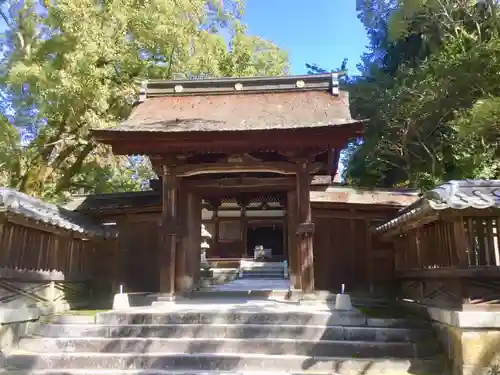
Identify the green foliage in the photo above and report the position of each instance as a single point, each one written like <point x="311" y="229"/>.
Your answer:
<point x="433" y="110"/>
<point x="73" y="65"/>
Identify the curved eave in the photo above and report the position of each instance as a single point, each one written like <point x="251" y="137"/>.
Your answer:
<point x="425" y="211"/>
<point x="411" y="214"/>
<point x="147" y="142"/>
<point x="23" y="209"/>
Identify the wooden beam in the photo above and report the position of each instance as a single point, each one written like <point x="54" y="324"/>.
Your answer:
<point x="451" y="214"/>
<point x="252" y="209"/>
<point x="241" y="182"/>
<point x="347" y="214"/>
<point x="451" y="272"/>
<point x="236" y="167"/>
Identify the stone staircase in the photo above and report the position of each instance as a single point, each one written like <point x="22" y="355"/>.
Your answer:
<point x="250" y="269"/>
<point x="223" y="337"/>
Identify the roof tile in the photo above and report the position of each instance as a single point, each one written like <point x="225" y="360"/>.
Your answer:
<point x="21" y="204"/>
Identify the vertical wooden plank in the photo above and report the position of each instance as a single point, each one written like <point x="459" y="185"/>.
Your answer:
<point x="10" y="239"/>
<point x="350" y="278"/>
<point x="461" y="242"/>
<point x="452" y="256"/>
<point x="370" y="256"/>
<point x="496" y="241"/>
<point x="3" y="233"/>
<point x="490" y="247"/>
<point x="481" y="235"/>
<point x="418" y="249"/>
<point x="70" y="255"/>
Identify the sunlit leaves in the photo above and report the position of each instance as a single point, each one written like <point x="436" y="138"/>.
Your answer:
<point x="434" y="111"/>
<point x="74" y="65"/>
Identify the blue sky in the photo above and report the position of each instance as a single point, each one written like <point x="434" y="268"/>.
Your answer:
<point x="312" y="31"/>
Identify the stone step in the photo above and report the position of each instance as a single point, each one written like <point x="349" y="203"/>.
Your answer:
<point x="258" y="264"/>
<point x="246" y="275"/>
<point x="263" y="269"/>
<point x="216" y="331"/>
<point x="323" y="348"/>
<point x="179" y="362"/>
<point x="259" y="315"/>
<point x="195" y="372"/>
<point x="239" y="294"/>
<point x="216" y="317"/>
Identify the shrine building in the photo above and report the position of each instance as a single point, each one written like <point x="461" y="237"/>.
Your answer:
<point x="254" y="160"/>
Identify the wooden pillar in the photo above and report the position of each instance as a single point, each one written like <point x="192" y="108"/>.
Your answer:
<point x="169" y="231"/>
<point x="305" y="229"/>
<point x="193" y="240"/>
<point x="182" y="247"/>
<point x="294" y="270"/>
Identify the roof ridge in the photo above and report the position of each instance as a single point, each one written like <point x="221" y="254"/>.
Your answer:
<point x="241" y="85"/>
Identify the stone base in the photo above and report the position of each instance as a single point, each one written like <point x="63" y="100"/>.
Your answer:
<point x="471" y="352"/>
<point x="470" y="338"/>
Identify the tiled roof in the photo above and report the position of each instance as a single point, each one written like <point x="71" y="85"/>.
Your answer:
<point x="458" y="195"/>
<point x="12" y="201"/>
<point x="260" y="103"/>
<point x="454" y="195"/>
<point x="387" y="197"/>
<point x="114" y="201"/>
<point x="332" y="194"/>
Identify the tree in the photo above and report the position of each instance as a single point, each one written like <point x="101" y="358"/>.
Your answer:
<point x="432" y="105"/>
<point x="73" y="65"/>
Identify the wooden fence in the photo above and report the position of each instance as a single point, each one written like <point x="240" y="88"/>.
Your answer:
<point x="41" y="263"/>
<point x="450" y="262"/>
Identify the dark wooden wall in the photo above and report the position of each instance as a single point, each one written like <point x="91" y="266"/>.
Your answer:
<point x="139" y="242"/>
<point x="344" y="250"/>
<point x="346" y="253"/>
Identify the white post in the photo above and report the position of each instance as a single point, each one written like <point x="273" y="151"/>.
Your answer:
<point x="52" y="292"/>
<point x="120" y="300"/>
<point x="285" y="269"/>
<point x="342" y="300"/>
<point x="240" y="270"/>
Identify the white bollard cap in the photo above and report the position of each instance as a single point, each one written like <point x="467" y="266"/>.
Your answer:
<point x="121" y="302"/>
<point x="343" y="302"/>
